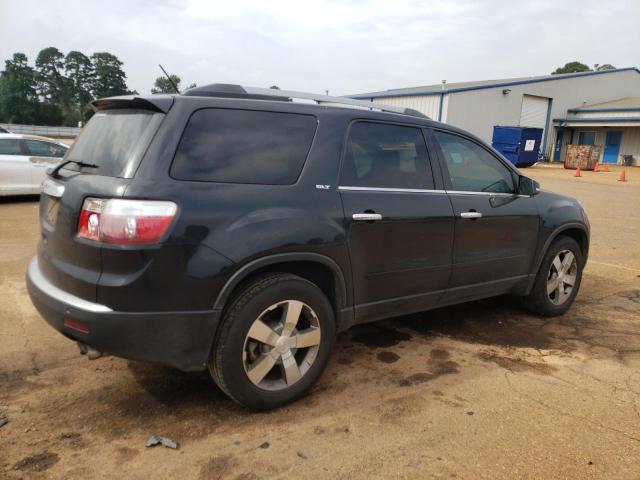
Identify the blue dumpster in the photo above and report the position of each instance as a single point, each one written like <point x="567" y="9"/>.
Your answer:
<point x="520" y="145"/>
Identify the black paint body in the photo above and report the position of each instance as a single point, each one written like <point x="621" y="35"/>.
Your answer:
<point x="167" y="300"/>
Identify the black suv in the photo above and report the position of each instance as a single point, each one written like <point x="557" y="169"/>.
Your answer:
<point x="241" y="229"/>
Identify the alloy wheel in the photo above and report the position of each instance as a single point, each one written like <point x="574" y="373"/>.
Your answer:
<point x="562" y="277"/>
<point x="281" y="345"/>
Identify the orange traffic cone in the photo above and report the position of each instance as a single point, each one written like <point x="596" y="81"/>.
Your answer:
<point x="596" y="168"/>
<point x="623" y="176"/>
<point x="577" y="174"/>
<point x="606" y="167"/>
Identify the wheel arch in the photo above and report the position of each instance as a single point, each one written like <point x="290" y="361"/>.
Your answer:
<point x="317" y="268"/>
<point x="575" y="230"/>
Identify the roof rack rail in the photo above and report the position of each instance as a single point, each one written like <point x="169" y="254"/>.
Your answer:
<point x="226" y="90"/>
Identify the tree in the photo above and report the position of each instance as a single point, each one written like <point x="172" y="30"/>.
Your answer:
<point x="79" y="70"/>
<point x="53" y="85"/>
<point x="163" y="85"/>
<point x="51" y="81"/>
<point x="606" y="66"/>
<point x="572" y="67"/>
<point x="274" y="87"/>
<point x="109" y="79"/>
<point x="18" y="95"/>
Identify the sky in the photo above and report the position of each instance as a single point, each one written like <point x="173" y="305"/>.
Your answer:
<point x="341" y="46"/>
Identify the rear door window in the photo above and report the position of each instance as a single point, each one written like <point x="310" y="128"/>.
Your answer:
<point x="386" y="156"/>
<point x="115" y="141"/>
<point x="244" y="146"/>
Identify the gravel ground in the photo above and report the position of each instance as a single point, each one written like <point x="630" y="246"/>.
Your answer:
<point x="481" y="390"/>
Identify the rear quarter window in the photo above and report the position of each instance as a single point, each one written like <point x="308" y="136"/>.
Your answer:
<point x="244" y="146"/>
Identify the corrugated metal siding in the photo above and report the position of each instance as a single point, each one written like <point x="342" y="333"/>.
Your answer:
<point x="619" y="114"/>
<point x="427" y="104"/>
<point x="630" y="143"/>
<point x="534" y="111"/>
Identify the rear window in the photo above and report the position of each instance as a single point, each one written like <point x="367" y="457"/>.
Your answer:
<point x="115" y="141"/>
<point x="244" y="146"/>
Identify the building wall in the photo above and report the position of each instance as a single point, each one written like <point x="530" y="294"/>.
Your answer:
<point x="427" y="104"/>
<point x="629" y="145"/>
<point x="479" y="110"/>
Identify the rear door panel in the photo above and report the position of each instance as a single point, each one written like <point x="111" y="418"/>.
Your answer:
<point x="401" y="263"/>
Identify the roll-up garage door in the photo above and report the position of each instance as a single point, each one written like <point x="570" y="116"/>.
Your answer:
<point x="534" y="111"/>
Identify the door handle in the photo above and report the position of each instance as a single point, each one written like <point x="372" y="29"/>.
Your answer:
<point x="367" y="217"/>
<point x="471" y="215"/>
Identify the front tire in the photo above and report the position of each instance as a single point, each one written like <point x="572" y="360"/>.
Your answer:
<point x="274" y="341"/>
<point x="558" y="279"/>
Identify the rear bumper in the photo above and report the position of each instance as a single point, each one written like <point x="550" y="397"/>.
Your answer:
<point x="178" y="339"/>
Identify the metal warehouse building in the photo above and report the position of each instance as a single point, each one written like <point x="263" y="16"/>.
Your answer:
<point x="599" y="108"/>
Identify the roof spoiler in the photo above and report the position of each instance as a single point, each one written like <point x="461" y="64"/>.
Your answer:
<point x="156" y="103"/>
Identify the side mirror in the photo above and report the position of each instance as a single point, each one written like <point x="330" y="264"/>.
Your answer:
<point x="527" y="186"/>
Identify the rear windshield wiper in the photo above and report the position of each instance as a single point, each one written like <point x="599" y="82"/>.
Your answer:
<point x="54" y="172"/>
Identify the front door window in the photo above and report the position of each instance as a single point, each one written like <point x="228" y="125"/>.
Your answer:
<point x="472" y="168"/>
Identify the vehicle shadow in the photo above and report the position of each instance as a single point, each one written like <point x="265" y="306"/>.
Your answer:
<point x="13" y="199"/>
<point x="189" y="405"/>
<point x="489" y="322"/>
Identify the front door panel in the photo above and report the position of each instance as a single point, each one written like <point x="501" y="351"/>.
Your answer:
<point x="496" y="230"/>
<point x="494" y="251"/>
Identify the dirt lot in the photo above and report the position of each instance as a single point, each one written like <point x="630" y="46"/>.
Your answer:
<point x="482" y="390"/>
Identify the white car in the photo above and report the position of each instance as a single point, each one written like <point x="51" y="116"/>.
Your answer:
<point x="24" y="161"/>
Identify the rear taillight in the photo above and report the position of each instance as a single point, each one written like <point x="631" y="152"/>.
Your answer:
<point x="125" y="222"/>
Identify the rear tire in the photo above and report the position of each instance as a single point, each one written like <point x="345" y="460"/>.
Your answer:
<point x="558" y="279"/>
<point x="274" y="341"/>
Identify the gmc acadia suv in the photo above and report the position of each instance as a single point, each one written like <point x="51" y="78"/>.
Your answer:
<point x="239" y="230"/>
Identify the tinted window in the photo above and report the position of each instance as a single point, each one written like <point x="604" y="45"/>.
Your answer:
<point x="244" y="146"/>
<point x="10" y="146"/>
<point x="45" y="149"/>
<point x="115" y="141"/>
<point x="386" y="156"/>
<point x="472" y="168"/>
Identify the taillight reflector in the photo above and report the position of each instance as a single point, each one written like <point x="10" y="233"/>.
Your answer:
<point x="125" y="222"/>
<point x="80" y="327"/>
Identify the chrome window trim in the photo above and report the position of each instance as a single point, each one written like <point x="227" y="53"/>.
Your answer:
<point x="420" y="190"/>
<point x="49" y="289"/>
<point x="389" y="190"/>
<point x="490" y="194"/>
